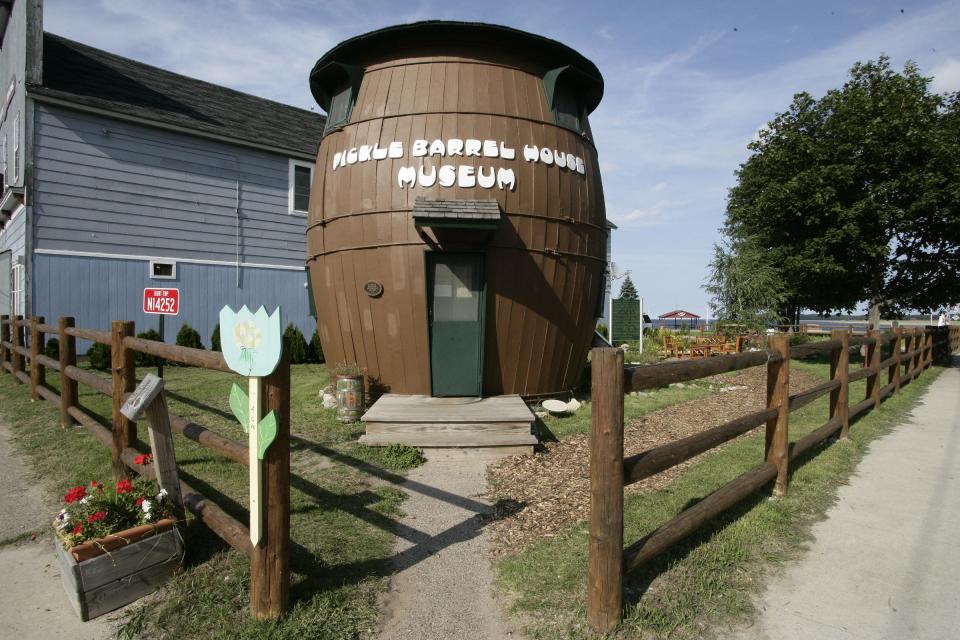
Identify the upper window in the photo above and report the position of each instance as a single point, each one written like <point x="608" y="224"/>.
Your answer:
<point x="340" y="107"/>
<point x="301" y="177"/>
<point x="335" y="86"/>
<point x="571" y="94"/>
<point x="566" y="108"/>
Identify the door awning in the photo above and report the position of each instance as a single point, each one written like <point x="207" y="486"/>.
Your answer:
<point x="456" y="214"/>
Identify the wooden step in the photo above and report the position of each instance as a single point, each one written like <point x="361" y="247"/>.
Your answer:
<point x="425" y="409"/>
<point x="422" y="428"/>
<point x="451" y="439"/>
<point x="423" y="421"/>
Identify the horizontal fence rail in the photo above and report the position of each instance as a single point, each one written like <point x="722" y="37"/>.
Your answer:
<point x="911" y="351"/>
<point x="22" y="342"/>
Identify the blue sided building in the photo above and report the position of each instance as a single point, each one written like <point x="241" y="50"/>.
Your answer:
<point x="118" y="176"/>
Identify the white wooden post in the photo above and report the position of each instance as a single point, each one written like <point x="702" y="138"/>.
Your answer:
<point x="256" y="466"/>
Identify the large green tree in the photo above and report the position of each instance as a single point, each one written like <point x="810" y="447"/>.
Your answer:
<point x="855" y="197"/>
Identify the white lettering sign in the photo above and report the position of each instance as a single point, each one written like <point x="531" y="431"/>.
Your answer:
<point x="431" y="172"/>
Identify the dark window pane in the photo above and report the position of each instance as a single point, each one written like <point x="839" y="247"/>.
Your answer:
<point x="566" y="107"/>
<point x="301" y="188"/>
<point x="339" y="107"/>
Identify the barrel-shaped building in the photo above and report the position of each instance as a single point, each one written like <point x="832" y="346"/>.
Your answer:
<point x="457" y="237"/>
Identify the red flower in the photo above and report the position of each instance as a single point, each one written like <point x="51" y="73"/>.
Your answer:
<point x="74" y="494"/>
<point x="140" y="501"/>
<point x="77" y="530"/>
<point x="143" y="458"/>
<point x="99" y="515"/>
<point x="124" y="486"/>
<point x="96" y="485"/>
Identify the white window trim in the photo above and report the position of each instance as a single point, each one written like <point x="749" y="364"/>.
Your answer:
<point x="16" y="148"/>
<point x="173" y="263"/>
<point x="16" y="287"/>
<point x="293" y="164"/>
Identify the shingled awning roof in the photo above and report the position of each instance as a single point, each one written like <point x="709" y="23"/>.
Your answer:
<point x="89" y="77"/>
<point x="471" y="214"/>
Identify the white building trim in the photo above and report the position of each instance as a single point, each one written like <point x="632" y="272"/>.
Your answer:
<point x="124" y="256"/>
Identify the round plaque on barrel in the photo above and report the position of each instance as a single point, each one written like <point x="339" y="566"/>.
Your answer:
<point x="373" y="288"/>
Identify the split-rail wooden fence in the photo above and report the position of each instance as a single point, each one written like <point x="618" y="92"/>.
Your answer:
<point x="911" y="350"/>
<point x="22" y="342"/>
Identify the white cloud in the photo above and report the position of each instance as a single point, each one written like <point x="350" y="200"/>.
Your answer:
<point x="946" y="76"/>
<point x="647" y="216"/>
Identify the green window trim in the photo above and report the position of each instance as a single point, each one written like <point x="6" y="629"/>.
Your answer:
<point x="565" y="84"/>
<point x="336" y="86"/>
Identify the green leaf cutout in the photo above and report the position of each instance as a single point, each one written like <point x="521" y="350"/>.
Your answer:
<point x="240" y="405"/>
<point x="266" y="433"/>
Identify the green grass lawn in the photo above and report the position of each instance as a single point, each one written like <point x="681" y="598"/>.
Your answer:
<point x="707" y="581"/>
<point x="342" y="512"/>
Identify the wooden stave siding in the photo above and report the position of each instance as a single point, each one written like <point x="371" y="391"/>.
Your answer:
<point x="525" y="352"/>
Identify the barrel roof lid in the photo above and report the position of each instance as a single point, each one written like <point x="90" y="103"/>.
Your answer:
<point x="558" y="54"/>
<point x="94" y="78"/>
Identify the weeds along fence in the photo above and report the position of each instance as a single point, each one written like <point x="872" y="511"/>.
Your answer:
<point x="911" y="352"/>
<point x="22" y="342"/>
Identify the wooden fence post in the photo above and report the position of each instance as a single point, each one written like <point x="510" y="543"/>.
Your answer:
<point x="911" y="342"/>
<point x="16" y="359"/>
<point x="873" y="361"/>
<point x="4" y="337"/>
<point x="38" y="372"/>
<point x="840" y="371"/>
<point x="68" y="358"/>
<point x="124" y="380"/>
<point x="270" y="558"/>
<point x="893" y="373"/>
<point x="778" y="397"/>
<point x="605" y="570"/>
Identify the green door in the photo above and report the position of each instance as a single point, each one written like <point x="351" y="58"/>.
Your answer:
<point x="455" y="292"/>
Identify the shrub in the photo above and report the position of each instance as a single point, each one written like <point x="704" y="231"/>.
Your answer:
<point x="52" y="349"/>
<point x="602" y="330"/>
<point x="395" y="456"/>
<point x="99" y="356"/>
<point x="145" y="359"/>
<point x="189" y="337"/>
<point x="316" y="349"/>
<point x="297" y="344"/>
<point x="215" y="339"/>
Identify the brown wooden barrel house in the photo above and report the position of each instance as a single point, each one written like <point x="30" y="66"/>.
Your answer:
<point x="457" y="233"/>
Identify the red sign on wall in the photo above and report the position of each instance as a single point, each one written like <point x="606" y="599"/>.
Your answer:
<point x="161" y="301"/>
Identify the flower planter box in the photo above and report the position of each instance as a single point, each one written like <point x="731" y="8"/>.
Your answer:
<point x="136" y="562"/>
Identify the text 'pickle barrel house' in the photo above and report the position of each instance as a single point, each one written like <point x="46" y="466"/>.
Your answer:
<point x="457" y="239"/>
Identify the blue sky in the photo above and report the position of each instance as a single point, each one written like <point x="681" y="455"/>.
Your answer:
<point x="688" y="84"/>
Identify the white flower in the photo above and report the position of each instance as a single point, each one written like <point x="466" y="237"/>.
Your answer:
<point x="146" y="505"/>
<point x="63" y="519"/>
<point x="85" y="500"/>
<point x="162" y="494"/>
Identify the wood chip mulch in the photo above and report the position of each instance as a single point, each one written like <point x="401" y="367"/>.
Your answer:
<point x="541" y="495"/>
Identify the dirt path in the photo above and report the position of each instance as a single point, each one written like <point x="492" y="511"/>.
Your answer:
<point x="443" y="585"/>
<point x="32" y="603"/>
